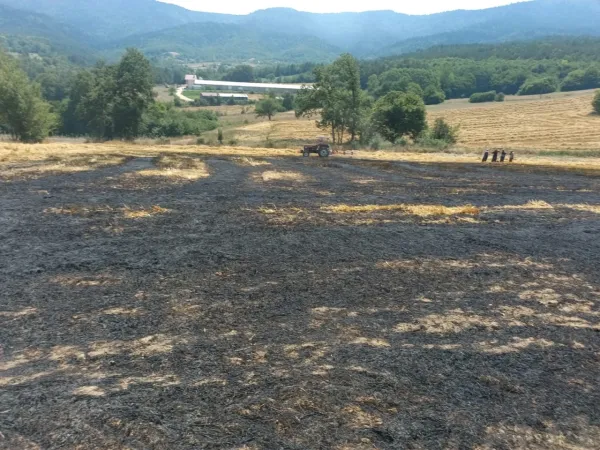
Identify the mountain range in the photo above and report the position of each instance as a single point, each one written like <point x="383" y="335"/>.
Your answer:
<point x="106" y="27"/>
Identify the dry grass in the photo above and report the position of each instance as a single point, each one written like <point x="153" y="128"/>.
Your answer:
<point x="125" y="212"/>
<point x="280" y="175"/>
<point x="178" y="167"/>
<point x="417" y="210"/>
<point x="552" y="123"/>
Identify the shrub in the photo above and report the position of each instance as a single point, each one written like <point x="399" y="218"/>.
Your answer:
<point x="163" y="120"/>
<point x="427" y="139"/>
<point x="582" y="79"/>
<point x="220" y="136"/>
<point x="375" y="143"/>
<point x="233" y="142"/>
<point x="596" y="102"/>
<point x="200" y="141"/>
<point x="500" y="97"/>
<point x="483" y="97"/>
<point x="433" y="96"/>
<point x="444" y="132"/>
<point x="535" y="86"/>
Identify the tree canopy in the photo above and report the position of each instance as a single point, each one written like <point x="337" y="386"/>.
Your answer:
<point x="23" y="112"/>
<point x="398" y="114"/>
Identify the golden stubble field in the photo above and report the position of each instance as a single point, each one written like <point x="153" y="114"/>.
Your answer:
<point x="562" y="121"/>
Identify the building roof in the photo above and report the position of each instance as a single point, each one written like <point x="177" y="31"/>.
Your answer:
<point x="190" y="78"/>
<point x="214" y="94"/>
<point x="295" y="87"/>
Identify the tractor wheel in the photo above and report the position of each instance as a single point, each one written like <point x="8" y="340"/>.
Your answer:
<point x="324" y="153"/>
<point x="306" y="153"/>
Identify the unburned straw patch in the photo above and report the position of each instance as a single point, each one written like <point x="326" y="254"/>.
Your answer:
<point x="415" y="209"/>
<point x="125" y="212"/>
<point x="283" y="175"/>
<point x="246" y="161"/>
<point x="55" y="165"/>
<point x="177" y="168"/>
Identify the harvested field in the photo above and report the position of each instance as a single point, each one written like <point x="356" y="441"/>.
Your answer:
<point x="556" y="122"/>
<point x="201" y="298"/>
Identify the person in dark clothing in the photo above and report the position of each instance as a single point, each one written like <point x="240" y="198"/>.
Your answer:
<point x="486" y="155"/>
<point x="495" y="156"/>
<point x="511" y="157"/>
<point x="502" y="156"/>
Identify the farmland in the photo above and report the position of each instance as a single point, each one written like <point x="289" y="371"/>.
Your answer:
<point x="553" y="123"/>
<point x="561" y="121"/>
<point x="243" y="298"/>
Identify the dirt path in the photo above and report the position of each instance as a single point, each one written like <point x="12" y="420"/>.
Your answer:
<point x="179" y="94"/>
<point x="299" y="303"/>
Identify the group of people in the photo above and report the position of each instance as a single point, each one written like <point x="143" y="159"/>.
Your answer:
<point x="495" y="153"/>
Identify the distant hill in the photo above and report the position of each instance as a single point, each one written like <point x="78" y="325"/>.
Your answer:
<point x="557" y="48"/>
<point x="29" y="32"/>
<point x="227" y="42"/>
<point x="113" y="19"/>
<point x="277" y="33"/>
<point x="522" y="21"/>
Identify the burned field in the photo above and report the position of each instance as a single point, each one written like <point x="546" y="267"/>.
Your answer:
<point x="190" y="302"/>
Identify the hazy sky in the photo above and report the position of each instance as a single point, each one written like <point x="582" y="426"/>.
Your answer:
<point x="403" y="6"/>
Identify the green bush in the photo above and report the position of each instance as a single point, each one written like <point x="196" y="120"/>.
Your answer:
<point x="163" y="120"/>
<point x="483" y="97"/>
<point x="375" y="143"/>
<point x="433" y="96"/>
<point x="444" y="132"/>
<point x="428" y="140"/>
<point x="500" y="97"/>
<point x="538" y="86"/>
<point x="596" y="102"/>
<point x="582" y="79"/>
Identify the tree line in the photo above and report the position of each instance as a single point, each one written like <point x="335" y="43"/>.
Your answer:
<point x="346" y="110"/>
<point x="105" y="102"/>
<point x="514" y="68"/>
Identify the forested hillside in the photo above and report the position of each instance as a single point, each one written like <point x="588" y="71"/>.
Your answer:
<point x="227" y="42"/>
<point x="158" y="27"/>
<point x="107" y="20"/>
<point x="28" y="32"/>
<point x="524" y="68"/>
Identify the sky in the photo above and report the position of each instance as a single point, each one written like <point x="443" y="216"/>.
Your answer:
<point x="321" y="6"/>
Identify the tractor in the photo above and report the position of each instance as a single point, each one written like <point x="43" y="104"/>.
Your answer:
<point x="321" y="149"/>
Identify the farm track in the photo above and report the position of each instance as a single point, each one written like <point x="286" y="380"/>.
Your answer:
<point x="287" y="303"/>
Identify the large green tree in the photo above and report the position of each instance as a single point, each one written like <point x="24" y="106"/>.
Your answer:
<point x="337" y="98"/>
<point x="132" y="93"/>
<point x="23" y="112"/>
<point x="267" y="107"/>
<point x="110" y="100"/>
<point x="398" y="114"/>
